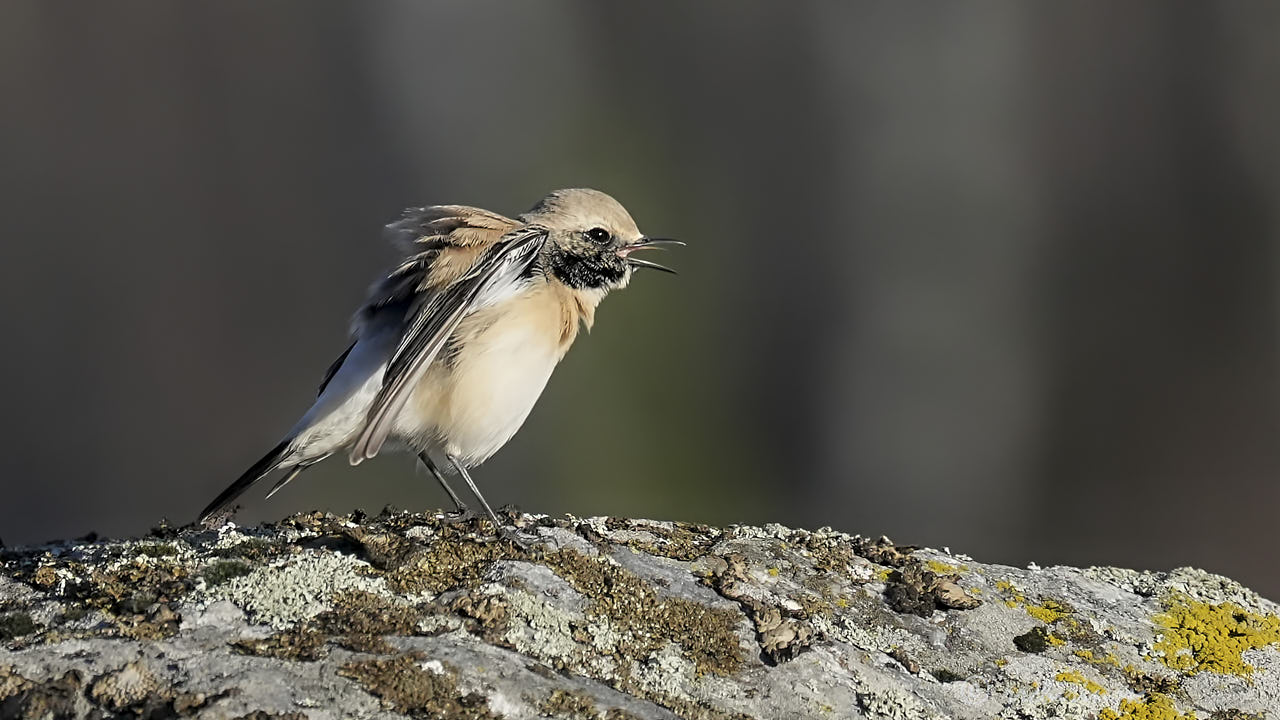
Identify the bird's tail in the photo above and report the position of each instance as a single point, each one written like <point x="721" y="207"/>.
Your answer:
<point x="260" y="469"/>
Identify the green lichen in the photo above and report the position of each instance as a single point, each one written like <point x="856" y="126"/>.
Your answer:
<point x="828" y="553"/>
<point x="297" y="644"/>
<point x="357" y="611"/>
<point x="406" y="685"/>
<point x="1151" y="707"/>
<point x="913" y="589"/>
<point x="1149" y="684"/>
<point x="1198" y="636"/>
<point x="781" y="631"/>
<point x="362" y="619"/>
<point x="72" y="613"/>
<point x="221" y="571"/>
<point x="707" y="636"/>
<point x="568" y="705"/>
<point x="811" y="607"/>
<point x="137" y="594"/>
<point x="130" y="589"/>
<point x="944" y="675"/>
<point x="620" y="714"/>
<point x="449" y="563"/>
<point x="22" y="697"/>
<point x="253" y="549"/>
<point x="677" y="540"/>
<point x="157" y="550"/>
<point x="358" y="621"/>
<point x="1235" y="714"/>
<point x="16" y="624"/>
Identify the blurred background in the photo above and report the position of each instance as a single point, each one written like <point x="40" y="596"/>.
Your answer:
<point x="995" y="276"/>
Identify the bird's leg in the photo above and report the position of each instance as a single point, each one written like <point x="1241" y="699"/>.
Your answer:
<point x="461" y="511"/>
<point x="501" y="529"/>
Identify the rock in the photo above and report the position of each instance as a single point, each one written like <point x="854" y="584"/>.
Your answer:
<point x="119" y="689"/>
<point x="404" y="616"/>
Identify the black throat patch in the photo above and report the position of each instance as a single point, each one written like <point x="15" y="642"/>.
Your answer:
<point x="584" y="271"/>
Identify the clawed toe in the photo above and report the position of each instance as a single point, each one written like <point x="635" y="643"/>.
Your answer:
<point x="524" y="541"/>
<point x="463" y="514"/>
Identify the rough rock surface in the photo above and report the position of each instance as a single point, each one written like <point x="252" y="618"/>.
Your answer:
<point x="403" y="615"/>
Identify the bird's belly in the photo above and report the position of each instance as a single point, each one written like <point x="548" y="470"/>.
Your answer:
<point x="490" y="401"/>
<point x="477" y="400"/>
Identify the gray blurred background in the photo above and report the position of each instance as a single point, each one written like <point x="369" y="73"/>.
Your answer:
<point x="996" y="276"/>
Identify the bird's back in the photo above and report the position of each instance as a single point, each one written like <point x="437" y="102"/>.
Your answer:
<point x="438" y="243"/>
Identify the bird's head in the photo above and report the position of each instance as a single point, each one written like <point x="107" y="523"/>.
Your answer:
<point x="591" y="239"/>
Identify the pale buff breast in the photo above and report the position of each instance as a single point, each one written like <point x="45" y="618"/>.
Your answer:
<point x="471" y="406"/>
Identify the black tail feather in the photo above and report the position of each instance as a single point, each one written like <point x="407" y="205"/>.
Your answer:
<point x="260" y="469"/>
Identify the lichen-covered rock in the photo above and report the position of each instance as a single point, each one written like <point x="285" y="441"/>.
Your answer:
<point x="403" y="615"/>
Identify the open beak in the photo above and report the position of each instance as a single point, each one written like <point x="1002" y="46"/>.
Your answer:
<point x="654" y="243"/>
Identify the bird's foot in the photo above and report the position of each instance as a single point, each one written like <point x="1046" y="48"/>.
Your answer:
<point x="462" y="514"/>
<point x="522" y="540"/>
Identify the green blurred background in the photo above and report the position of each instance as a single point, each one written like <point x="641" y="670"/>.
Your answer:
<point x="997" y="276"/>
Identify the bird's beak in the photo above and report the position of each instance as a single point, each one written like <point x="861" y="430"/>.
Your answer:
<point x="658" y="243"/>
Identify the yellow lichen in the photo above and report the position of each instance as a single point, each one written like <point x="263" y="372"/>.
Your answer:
<point x="1151" y="707"/>
<point x="1016" y="597"/>
<point x="1050" y="612"/>
<point x="1071" y="676"/>
<point x="1093" y="659"/>
<point x="1198" y="636"/>
<point x="773" y="572"/>
<point x="938" y="567"/>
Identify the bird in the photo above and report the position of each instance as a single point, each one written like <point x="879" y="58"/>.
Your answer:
<point x="452" y="348"/>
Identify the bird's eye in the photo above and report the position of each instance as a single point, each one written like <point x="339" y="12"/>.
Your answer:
<point x="599" y="235"/>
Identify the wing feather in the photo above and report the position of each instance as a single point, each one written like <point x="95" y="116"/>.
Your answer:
<point x="333" y="368"/>
<point x="499" y="272"/>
